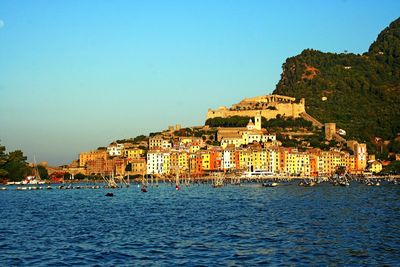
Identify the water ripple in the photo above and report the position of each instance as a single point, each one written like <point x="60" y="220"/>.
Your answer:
<point x="202" y="226"/>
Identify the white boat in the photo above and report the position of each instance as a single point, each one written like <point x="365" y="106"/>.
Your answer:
<point x="32" y="180"/>
<point x="259" y="174"/>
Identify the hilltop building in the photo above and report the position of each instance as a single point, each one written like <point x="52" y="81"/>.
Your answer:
<point x="268" y="106"/>
<point x="238" y="136"/>
<point x="330" y="130"/>
<point x="159" y="141"/>
<point x="115" y="149"/>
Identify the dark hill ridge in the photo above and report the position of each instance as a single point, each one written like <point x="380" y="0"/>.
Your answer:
<point x="362" y="91"/>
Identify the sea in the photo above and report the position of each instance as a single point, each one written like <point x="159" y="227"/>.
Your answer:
<point x="199" y="225"/>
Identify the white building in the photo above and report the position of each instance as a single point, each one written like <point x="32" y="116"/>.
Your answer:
<point x="228" y="160"/>
<point x="273" y="161"/>
<point x="155" y="162"/>
<point x="115" y="149"/>
<point x="231" y="140"/>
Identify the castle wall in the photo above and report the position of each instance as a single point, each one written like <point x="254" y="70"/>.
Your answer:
<point x="284" y="109"/>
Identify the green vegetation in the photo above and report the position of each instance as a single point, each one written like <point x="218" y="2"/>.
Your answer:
<point x="184" y="132"/>
<point x="235" y="121"/>
<point x="279" y="122"/>
<point x="154" y="134"/>
<point x="135" y="140"/>
<point x="362" y="91"/>
<point x="393" y="167"/>
<point x="13" y="166"/>
<point x="282" y="122"/>
<point x="44" y="175"/>
<point x="80" y="176"/>
<point x="3" y="161"/>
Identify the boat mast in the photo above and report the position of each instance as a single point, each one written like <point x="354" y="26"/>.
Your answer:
<point x="37" y="174"/>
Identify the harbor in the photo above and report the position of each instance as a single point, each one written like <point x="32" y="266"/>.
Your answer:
<point x="230" y="225"/>
<point x="218" y="180"/>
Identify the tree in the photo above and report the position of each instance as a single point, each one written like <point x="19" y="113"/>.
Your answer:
<point x="80" y="176"/>
<point x="43" y="173"/>
<point x="3" y="161"/>
<point x="16" y="166"/>
<point x="393" y="167"/>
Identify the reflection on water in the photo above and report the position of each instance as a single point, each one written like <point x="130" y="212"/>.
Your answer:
<point x="200" y="225"/>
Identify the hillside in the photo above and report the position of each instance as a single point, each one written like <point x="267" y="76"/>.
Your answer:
<point x="361" y="93"/>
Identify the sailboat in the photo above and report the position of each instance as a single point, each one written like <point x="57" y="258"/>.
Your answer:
<point x="218" y="180"/>
<point x="177" y="186"/>
<point x="33" y="179"/>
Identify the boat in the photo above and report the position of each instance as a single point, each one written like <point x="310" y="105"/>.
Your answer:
<point x="35" y="178"/>
<point x="217" y="185"/>
<point x="258" y="174"/>
<point x="270" y="184"/>
<point x="21" y="188"/>
<point x="344" y="183"/>
<point x="218" y="180"/>
<point x="307" y="183"/>
<point x="32" y="180"/>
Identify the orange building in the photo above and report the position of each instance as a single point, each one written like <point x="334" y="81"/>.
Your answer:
<point x="195" y="165"/>
<point x="84" y="157"/>
<point x="102" y="166"/>
<point x="215" y="159"/>
<point x="313" y="165"/>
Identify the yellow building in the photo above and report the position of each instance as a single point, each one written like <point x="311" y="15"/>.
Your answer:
<point x="231" y="139"/>
<point x="166" y="163"/>
<point x="245" y="159"/>
<point x="325" y="164"/>
<point x="349" y="162"/>
<point x="194" y="147"/>
<point x="133" y="153"/>
<point x="375" y="167"/>
<point x="183" y="161"/>
<point x="138" y="166"/>
<point x="295" y="163"/>
<point x="328" y="162"/>
<point x="205" y="160"/>
<point x="259" y="159"/>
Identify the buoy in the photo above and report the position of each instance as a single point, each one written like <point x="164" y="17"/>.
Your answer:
<point x="177" y="187"/>
<point x="144" y="190"/>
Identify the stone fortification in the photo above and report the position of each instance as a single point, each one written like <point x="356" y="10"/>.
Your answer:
<point x="269" y="106"/>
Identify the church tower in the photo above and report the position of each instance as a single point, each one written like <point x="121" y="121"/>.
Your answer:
<point x="257" y="121"/>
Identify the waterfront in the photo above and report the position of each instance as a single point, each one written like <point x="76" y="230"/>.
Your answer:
<point x="201" y="225"/>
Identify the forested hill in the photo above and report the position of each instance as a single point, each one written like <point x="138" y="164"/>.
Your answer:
<point x="361" y="93"/>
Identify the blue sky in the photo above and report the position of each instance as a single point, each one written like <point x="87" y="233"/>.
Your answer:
<point x="75" y="75"/>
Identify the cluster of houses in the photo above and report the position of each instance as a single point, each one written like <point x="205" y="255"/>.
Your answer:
<point x="240" y="149"/>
